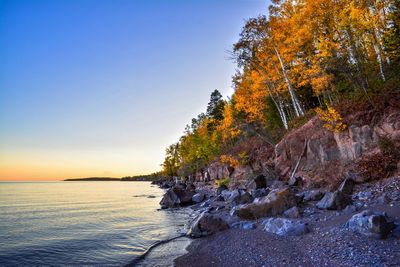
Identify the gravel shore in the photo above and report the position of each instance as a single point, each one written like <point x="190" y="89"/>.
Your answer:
<point x="328" y="244"/>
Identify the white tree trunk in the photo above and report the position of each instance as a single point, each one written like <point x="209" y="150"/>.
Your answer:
<point x="279" y="107"/>
<point x="379" y="58"/>
<point x="296" y="103"/>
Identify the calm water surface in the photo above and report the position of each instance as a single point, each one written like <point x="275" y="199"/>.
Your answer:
<point x="86" y="223"/>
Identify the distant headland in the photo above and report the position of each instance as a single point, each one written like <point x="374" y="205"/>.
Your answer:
<point x="148" y="177"/>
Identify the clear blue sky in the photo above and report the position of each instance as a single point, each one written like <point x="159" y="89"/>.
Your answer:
<point x="94" y="87"/>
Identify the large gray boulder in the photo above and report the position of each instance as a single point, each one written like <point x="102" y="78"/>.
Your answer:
<point x="177" y="195"/>
<point x="197" y="198"/>
<point x="334" y="201"/>
<point x="170" y="199"/>
<point x="185" y="195"/>
<point x="276" y="202"/>
<point x="207" y="224"/>
<point x="372" y="224"/>
<point x="285" y="227"/>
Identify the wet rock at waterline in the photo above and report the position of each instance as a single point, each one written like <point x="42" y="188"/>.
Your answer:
<point x="175" y="196"/>
<point x="170" y="200"/>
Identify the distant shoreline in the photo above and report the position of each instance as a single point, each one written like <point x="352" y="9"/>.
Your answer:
<point x="92" y="179"/>
<point x="142" y="178"/>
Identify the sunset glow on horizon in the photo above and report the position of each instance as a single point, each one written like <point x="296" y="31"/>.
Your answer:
<point x="101" y="88"/>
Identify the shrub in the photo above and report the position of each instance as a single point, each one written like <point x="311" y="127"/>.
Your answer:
<point x="381" y="165"/>
<point x="376" y="166"/>
<point x="229" y="160"/>
<point x="223" y="181"/>
<point x="388" y="147"/>
<point x="244" y="158"/>
<point x="333" y="120"/>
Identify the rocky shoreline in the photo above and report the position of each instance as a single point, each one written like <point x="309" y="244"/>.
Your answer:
<point x="268" y="222"/>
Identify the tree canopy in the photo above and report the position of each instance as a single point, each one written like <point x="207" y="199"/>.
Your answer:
<point x="307" y="54"/>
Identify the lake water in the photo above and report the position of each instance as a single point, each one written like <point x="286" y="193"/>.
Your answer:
<point x="87" y="223"/>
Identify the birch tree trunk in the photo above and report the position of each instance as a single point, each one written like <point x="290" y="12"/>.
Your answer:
<point x="296" y="103"/>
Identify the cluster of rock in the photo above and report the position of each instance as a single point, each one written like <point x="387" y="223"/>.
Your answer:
<point x="179" y="194"/>
<point x="275" y="207"/>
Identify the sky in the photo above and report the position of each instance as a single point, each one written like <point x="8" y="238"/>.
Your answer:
<point x="101" y="88"/>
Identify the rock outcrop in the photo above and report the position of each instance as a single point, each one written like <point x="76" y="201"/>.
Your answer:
<point x="329" y="154"/>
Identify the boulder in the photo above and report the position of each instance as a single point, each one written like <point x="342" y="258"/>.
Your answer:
<point x="285" y="227"/>
<point x="293" y="213"/>
<point x="350" y="209"/>
<point x="296" y="181"/>
<point x="175" y="196"/>
<point x="197" y="198"/>
<point x="346" y="186"/>
<point x="245" y="198"/>
<point x="185" y="196"/>
<point x="190" y="187"/>
<point x="221" y="188"/>
<point x="166" y="184"/>
<point x="372" y="224"/>
<point x="170" y="199"/>
<point x="313" y="195"/>
<point x="240" y="197"/>
<point x="207" y="224"/>
<point x="226" y="194"/>
<point x="257" y="183"/>
<point x="334" y="201"/>
<point x="262" y="192"/>
<point x="276" y="202"/>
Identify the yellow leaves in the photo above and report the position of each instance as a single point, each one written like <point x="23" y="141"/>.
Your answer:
<point x="321" y="83"/>
<point x="221" y="182"/>
<point x="333" y="120"/>
<point x="229" y="160"/>
<point x="227" y="125"/>
<point x="250" y="96"/>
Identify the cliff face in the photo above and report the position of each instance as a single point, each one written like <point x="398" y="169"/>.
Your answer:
<point x="325" y="156"/>
<point x="329" y="155"/>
